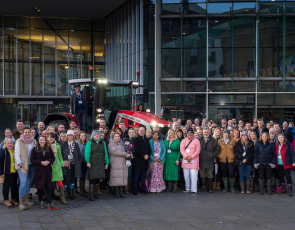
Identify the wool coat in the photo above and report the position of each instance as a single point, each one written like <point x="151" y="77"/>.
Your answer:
<point x="76" y="156"/>
<point x="119" y="169"/>
<point x="208" y="152"/>
<point x="141" y="148"/>
<point x="43" y="174"/>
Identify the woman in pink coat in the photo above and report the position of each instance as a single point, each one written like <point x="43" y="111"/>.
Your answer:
<point x="190" y="150"/>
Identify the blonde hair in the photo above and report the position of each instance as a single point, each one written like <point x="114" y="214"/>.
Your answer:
<point x="50" y="127"/>
<point x="268" y="138"/>
<point x="149" y="130"/>
<point x="59" y="140"/>
<point x="174" y="137"/>
<point x="86" y="140"/>
<point x="214" y="134"/>
<point x="254" y="135"/>
<point x="8" y="139"/>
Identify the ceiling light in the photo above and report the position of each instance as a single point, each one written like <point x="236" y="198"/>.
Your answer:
<point x="183" y="33"/>
<point x="66" y="67"/>
<point x="216" y="21"/>
<point x="72" y="30"/>
<point x="135" y="83"/>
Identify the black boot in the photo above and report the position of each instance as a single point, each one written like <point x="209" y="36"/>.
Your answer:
<point x="91" y="192"/>
<point x="54" y="197"/>
<point x="268" y="182"/>
<point x="248" y="187"/>
<point x="203" y="185"/>
<point x="290" y="190"/>
<point x="71" y="195"/>
<point x="121" y="192"/>
<point x="242" y="185"/>
<point x="209" y="181"/>
<point x="283" y="189"/>
<point x="261" y="186"/>
<point x="117" y="192"/>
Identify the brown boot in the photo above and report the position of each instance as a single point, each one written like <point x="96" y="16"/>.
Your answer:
<point x="98" y="190"/>
<point x="95" y="194"/>
<point x="62" y="195"/>
<point x="21" y="205"/>
<point x="27" y="201"/>
<point x="126" y="189"/>
<point x="218" y="185"/>
<point x="13" y="202"/>
<point x="7" y="203"/>
<point x="214" y="183"/>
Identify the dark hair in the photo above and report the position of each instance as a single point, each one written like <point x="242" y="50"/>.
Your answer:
<point x="72" y="121"/>
<point x="19" y="120"/>
<point x="261" y="120"/>
<point x="61" y="124"/>
<point x="119" y="130"/>
<point x="51" y="135"/>
<point x="156" y="132"/>
<point x="7" y="129"/>
<point x="122" y="121"/>
<point x="138" y="107"/>
<point x="46" y="147"/>
<point x="24" y="128"/>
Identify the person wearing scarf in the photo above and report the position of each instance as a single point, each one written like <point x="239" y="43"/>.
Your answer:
<point x="24" y="167"/>
<point x="97" y="159"/>
<point x="57" y="175"/>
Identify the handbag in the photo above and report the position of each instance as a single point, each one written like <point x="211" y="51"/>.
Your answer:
<point x="2" y="177"/>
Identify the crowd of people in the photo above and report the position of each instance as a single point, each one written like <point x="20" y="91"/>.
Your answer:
<point x="195" y="156"/>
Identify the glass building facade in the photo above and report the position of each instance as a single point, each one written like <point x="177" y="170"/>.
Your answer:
<point x="38" y="57"/>
<point x="216" y="58"/>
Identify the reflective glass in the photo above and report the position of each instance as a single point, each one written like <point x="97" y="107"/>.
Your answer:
<point x="171" y="63"/>
<point x="219" y="62"/>
<point x="271" y="62"/>
<point x="195" y="8"/>
<point x="194" y="32"/>
<point x="244" y="62"/>
<point x="36" y="56"/>
<point x="188" y="86"/>
<point x="244" y="7"/>
<point x="271" y="31"/>
<point x="171" y="29"/>
<point x="220" y="32"/>
<point x="86" y="48"/>
<point x="75" y="49"/>
<point x="194" y="100"/>
<point x="275" y="99"/>
<point x="276" y="86"/>
<point x="194" y="64"/>
<point x="244" y="32"/>
<point x="220" y="8"/>
<point x="23" y="55"/>
<point x="9" y="55"/>
<point x="290" y="44"/>
<point x="290" y="7"/>
<point x="1" y="56"/>
<point x="271" y="7"/>
<point x="49" y="56"/>
<point x="231" y="99"/>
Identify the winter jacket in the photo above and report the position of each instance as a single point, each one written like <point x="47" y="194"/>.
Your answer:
<point x="82" y="150"/>
<point x="7" y="163"/>
<point x="288" y="134"/>
<point x="119" y="169"/>
<point x="76" y="156"/>
<point x="226" y="152"/>
<point x="287" y="154"/>
<point x="142" y="147"/>
<point x="162" y="153"/>
<point x="264" y="153"/>
<point x="208" y="152"/>
<point x="42" y="174"/>
<point x="73" y="102"/>
<point x="193" y="150"/>
<point x="239" y="151"/>
<point x="258" y="133"/>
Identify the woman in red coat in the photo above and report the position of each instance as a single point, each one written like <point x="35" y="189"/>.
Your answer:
<point x="42" y="158"/>
<point x="285" y="161"/>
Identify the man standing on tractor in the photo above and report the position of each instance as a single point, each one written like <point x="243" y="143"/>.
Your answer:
<point x="79" y="107"/>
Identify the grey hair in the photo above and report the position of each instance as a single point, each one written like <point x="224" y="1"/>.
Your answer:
<point x="8" y="139"/>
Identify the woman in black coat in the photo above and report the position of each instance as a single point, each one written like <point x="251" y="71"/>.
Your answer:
<point x="244" y="152"/>
<point x="264" y="160"/>
<point x="7" y="168"/>
<point x="42" y="158"/>
<point x="142" y="152"/>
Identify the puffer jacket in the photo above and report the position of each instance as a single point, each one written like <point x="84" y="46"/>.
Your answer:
<point x="119" y="170"/>
<point x="239" y="151"/>
<point x="226" y="150"/>
<point x="264" y="153"/>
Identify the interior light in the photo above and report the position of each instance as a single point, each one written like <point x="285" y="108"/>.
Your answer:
<point x="72" y="30"/>
<point x="97" y="120"/>
<point x="183" y="33"/>
<point x="99" y="81"/>
<point x="148" y="110"/>
<point x="216" y="21"/>
<point x="99" y="110"/>
<point x="135" y="83"/>
<point x="104" y="81"/>
<point x="66" y="67"/>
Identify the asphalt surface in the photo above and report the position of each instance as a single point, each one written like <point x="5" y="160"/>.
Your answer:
<point x="159" y="211"/>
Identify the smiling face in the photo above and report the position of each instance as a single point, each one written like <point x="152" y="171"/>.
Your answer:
<point x="27" y="133"/>
<point x="42" y="141"/>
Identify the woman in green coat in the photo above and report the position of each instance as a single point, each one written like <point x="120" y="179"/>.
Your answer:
<point x="57" y="174"/>
<point x="171" y="171"/>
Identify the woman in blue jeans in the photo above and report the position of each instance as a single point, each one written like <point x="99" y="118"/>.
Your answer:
<point x="23" y="149"/>
<point x="244" y="152"/>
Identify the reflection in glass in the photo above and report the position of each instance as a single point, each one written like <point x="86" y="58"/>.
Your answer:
<point x="220" y="32"/>
<point x="75" y="53"/>
<point x="271" y="7"/>
<point x="219" y="62"/>
<point x="275" y="99"/>
<point x="220" y="8"/>
<point x="244" y="34"/>
<point x="1" y="56"/>
<point x="244" y="7"/>
<point x="171" y="63"/>
<point x="190" y="86"/>
<point x="271" y="31"/>
<point x="194" y="32"/>
<point x="194" y="65"/>
<point x="271" y="62"/>
<point x="9" y="55"/>
<point x="36" y="56"/>
<point x="244" y="62"/>
<point x="23" y="54"/>
<point x="171" y="29"/>
<point x="86" y="48"/>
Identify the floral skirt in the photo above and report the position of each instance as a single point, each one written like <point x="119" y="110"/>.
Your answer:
<point x="157" y="183"/>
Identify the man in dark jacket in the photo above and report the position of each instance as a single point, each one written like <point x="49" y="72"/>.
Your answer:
<point x="287" y="132"/>
<point x="79" y="108"/>
<point x="142" y="152"/>
<point x="260" y="129"/>
<point x="209" y="150"/>
<point x="18" y="131"/>
<point x="41" y="127"/>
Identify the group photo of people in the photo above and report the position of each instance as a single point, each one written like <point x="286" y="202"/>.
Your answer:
<point x="195" y="156"/>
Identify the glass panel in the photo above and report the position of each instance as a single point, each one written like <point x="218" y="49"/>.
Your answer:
<point x="217" y="113"/>
<point x="199" y="8"/>
<point x="219" y="62"/>
<point x="226" y="86"/>
<point x="36" y="56"/>
<point x="49" y="56"/>
<point x="290" y="44"/>
<point x="62" y="56"/>
<point x="86" y="48"/>
<point x="10" y="55"/>
<point x="1" y="56"/>
<point x="220" y="32"/>
<point x="271" y="7"/>
<point x="271" y="62"/>
<point x="171" y="29"/>
<point x="277" y="114"/>
<point x="244" y="34"/>
<point x="190" y="86"/>
<point x="219" y="8"/>
<point x="194" y="32"/>
<point x="23" y="113"/>
<point x="290" y="7"/>
<point x="275" y="86"/>
<point x="194" y="63"/>
<point x="23" y="54"/>
<point x="271" y="31"/>
<point x="171" y="63"/>
<point x="171" y="8"/>
<point x="276" y="99"/>
<point x="231" y="99"/>
<point x="244" y="7"/>
<point x="75" y="50"/>
<point x="244" y="62"/>
<point x="8" y="118"/>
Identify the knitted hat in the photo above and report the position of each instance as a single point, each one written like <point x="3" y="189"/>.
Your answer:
<point x="127" y="138"/>
<point x="244" y="133"/>
<point x="226" y="131"/>
<point x="70" y="132"/>
<point x="190" y="129"/>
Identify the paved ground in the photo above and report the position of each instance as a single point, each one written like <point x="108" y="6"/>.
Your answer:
<point x="159" y="211"/>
